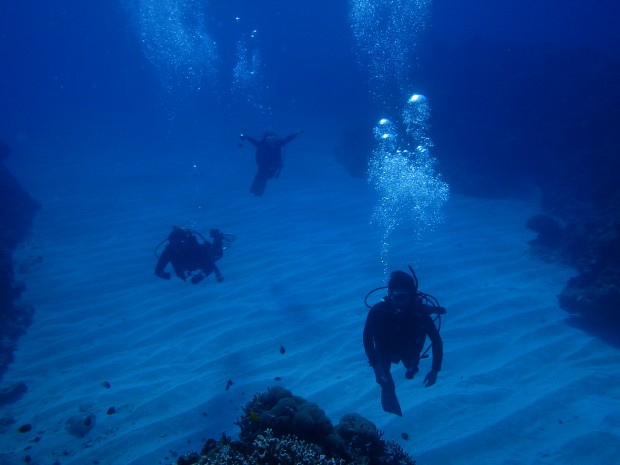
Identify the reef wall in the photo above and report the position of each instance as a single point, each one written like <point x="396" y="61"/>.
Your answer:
<point x="516" y="115"/>
<point x="17" y="210"/>
<point x="278" y="427"/>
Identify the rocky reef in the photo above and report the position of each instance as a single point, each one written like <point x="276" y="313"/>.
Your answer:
<point x="517" y="115"/>
<point x="591" y="245"/>
<point x="17" y="210"/>
<point x="279" y="428"/>
<point x="586" y="206"/>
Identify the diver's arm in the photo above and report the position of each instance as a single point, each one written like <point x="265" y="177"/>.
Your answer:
<point x="436" y="341"/>
<point x="382" y="375"/>
<point x="217" y="249"/>
<point x="433" y="309"/>
<point x="368" y="338"/>
<point x="218" y="276"/>
<point x="161" y="265"/>
<point x="179" y="270"/>
<point x="289" y="138"/>
<point x="250" y="139"/>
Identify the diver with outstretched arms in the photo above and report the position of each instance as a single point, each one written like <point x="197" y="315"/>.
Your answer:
<point x="268" y="157"/>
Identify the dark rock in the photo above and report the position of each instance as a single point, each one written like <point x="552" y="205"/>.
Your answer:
<point x="595" y="296"/>
<point x="25" y="428"/>
<point x="592" y="247"/>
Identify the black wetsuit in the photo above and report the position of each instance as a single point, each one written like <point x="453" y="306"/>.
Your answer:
<point x="191" y="256"/>
<point x="392" y="336"/>
<point x="268" y="159"/>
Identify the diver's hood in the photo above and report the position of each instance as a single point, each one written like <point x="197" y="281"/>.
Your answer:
<point x="399" y="280"/>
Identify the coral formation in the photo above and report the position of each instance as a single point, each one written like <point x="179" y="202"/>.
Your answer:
<point x="279" y="428"/>
<point x="592" y="247"/>
<point x="570" y="153"/>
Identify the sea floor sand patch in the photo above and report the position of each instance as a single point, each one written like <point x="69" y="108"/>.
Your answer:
<point x="518" y="385"/>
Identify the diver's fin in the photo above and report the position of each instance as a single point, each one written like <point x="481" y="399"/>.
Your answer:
<point x="389" y="401"/>
<point x="228" y="240"/>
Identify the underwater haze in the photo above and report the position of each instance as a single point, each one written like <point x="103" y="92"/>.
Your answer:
<point x="476" y="141"/>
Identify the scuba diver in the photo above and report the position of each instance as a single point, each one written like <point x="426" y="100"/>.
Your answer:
<point x="187" y="255"/>
<point x="396" y="329"/>
<point x="268" y="158"/>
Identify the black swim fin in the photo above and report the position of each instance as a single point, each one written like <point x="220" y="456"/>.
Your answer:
<point x="258" y="185"/>
<point x="228" y="240"/>
<point x="389" y="401"/>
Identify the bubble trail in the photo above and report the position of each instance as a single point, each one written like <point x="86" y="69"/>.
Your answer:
<point x="410" y="190"/>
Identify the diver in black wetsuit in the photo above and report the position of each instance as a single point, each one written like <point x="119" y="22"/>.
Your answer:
<point x="395" y="330"/>
<point x="268" y="158"/>
<point x="187" y="255"/>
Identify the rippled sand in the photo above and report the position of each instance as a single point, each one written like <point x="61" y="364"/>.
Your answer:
<point x="518" y="385"/>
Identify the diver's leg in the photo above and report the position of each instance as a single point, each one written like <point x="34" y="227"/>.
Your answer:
<point x="259" y="184"/>
<point x="217" y="250"/>
<point x="197" y="278"/>
<point x="411" y="357"/>
<point x="218" y="276"/>
<point x="212" y="252"/>
<point x="389" y="401"/>
<point x="411" y="361"/>
<point x="179" y="270"/>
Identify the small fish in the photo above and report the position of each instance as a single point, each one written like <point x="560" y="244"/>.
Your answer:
<point x="277" y="378"/>
<point x="229" y="384"/>
<point x="405" y="436"/>
<point x="111" y="411"/>
<point x="24" y="428"/>
<point x="106" y="384"/>
<point x="282" y="349"/>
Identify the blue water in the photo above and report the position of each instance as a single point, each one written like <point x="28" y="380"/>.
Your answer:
<point x="518" y="97"/>
<point x="498" y="76"/>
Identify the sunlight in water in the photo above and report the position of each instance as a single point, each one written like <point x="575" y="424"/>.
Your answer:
<point x="386" y="33"/>
<point x="410" y="190"/>
<point x="175" y="40"/>
<point x="248" y="83"/>
<point x="401" y="169"/>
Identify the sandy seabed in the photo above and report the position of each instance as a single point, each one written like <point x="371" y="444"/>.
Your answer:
<point x="519" y="385"/>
